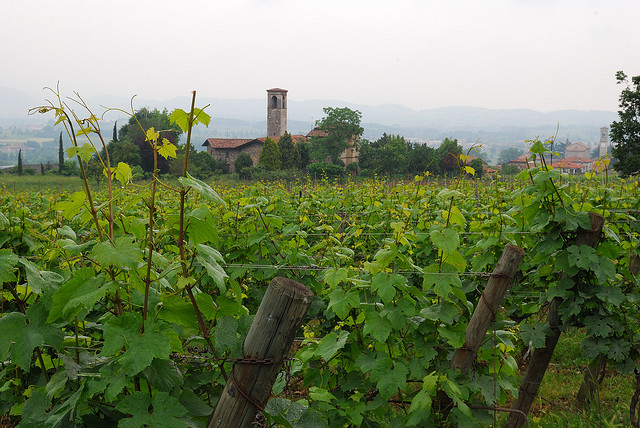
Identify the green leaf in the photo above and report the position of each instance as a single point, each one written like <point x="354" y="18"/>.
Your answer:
<point x="330" y="344"/>
<point x="83" y="290"/>
<point x="40" y="281"/>
<point x="141" y="348"/>
<point x="163" y="375"/>
<point x="320" y="394"/>
<point x="178" y="310"/>
<point x="123" y="253"/>
<point x="8" y="262"/>
<point x="385" y="284"/>
<point x="161" y="410"/>
<point x="393" y="380"/>
<point x="226" y="335"/>
<point x="446" y="312"/>
<point x="84" y="152"/>
<point x="211" y="259"/>
<point x="202" y="188"/>
<point x="333" y="276"/>
<point x="446" y="240"/>
<point x="341" y="303"/>
<point x="72" y="206"/>
<point x="375" y="325"/>
<point x="180" y="118"/>
<point x="123" y="173"/>
<point x="167" y="149"/>
<point x="535" y="334"/>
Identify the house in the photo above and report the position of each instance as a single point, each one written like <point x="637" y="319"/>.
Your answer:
<point x="349" y="156"/>
<point x="228" y="149"/>
<point x="577" y="150"/>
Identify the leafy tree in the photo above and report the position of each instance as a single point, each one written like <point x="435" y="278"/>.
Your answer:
<point x="242" y="161"/>
<point x="508" y="169"/>
<point x="340" y="125"/>
<point x="449" y="154"/>
<point x="60" y="156"/>
<point x="159" y="120"/>
<point x="422" y="158"/>
<point x="478" y="167"/>
<point x="389" y="154"/>
<point x="304" y="151"/>
<point x="509" y="154"/>
<point x="320" y="170"/>
<point x="270" y="155"/>
<point x="20" y="162"/>
<point x="626" y="131"/>
<point x="289" y="155"/>
<point x="124" y="151"/>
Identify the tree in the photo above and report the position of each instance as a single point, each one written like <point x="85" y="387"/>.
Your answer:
<point x="159" y="120"/>
<point x="270" y="156"/>
<point x="389" y="154"/>
<point x="20" y="162"/>
<point x="341" y="127"/>
<point x="422" y="158"/>
<point x="625" y="132"/>
<point x="60" y="156"/>
<point x="289" y="155"/>
<point x="449" y="154"/>
<point x="115" y="132"/>
<point x="242" y="161"/>
<point x="509" y="154"/>
<point x="477" y="166"/>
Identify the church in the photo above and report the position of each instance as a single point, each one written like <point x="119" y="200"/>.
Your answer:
<point x="228" y="149"/>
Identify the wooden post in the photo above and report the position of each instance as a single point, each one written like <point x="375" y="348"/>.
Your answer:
<point x="270" y="337"/>
<point x="485" y="312"/>
<point x="542" y="356"/>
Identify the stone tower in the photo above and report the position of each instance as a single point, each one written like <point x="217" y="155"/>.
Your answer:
<point x="276" y="113"/>
<point x="604" y="141"/>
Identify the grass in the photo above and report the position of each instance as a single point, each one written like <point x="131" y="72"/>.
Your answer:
<point x="555" y="404"/>
<point x="37" y="183"/>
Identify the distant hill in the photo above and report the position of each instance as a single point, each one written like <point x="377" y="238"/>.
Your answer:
<point x="247" y="118"/>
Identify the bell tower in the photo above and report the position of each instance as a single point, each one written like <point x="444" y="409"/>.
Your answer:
<point x="276" y="113"/>
<point x="604" y="141"/>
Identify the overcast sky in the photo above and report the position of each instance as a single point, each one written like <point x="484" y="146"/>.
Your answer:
<point x="539" y="54"/>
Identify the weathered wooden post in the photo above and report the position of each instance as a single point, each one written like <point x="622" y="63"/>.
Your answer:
<point x="270" y="337"/>
<point x="542" y="356"/>
<point x="485" y="312"/>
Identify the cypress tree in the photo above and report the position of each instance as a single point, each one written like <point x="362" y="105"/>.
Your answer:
<point x="20" y="162"/>
<point x="60" y="156"/>
<point x="270" y="155"/>
<point x="289" y="155"/>
<point x="115" y="132"/>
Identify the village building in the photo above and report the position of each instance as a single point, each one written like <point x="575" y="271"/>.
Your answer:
<point x="577" y="150"/>
<point x="228" y="149"/>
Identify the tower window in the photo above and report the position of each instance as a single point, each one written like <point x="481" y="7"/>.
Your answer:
<point x="274" y="102"/>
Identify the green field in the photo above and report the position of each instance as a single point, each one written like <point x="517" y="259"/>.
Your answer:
<point x="98" y="313"/>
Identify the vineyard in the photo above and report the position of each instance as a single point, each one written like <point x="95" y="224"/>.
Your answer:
<point x="128" y="306"/>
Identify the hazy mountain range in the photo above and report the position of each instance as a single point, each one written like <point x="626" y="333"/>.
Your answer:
<point x="247" y="118"/>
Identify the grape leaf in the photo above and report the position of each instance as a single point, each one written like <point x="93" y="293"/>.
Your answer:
<point x="161" y="410"/>
<point x="123" y="253"/>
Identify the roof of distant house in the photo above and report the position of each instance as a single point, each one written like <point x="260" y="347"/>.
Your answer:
<point x="277" y="90"/>
<point x="227" y="143"/>
<point x="236" y="143"/>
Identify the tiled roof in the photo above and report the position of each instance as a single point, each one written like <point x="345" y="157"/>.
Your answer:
<point x="277" y="90"/>
<point x="227" y="143"/>
<point x="234" y="143"/>
<point x="316" y="132"/>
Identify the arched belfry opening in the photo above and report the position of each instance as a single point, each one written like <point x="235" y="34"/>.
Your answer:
<point x="276" y="112"/>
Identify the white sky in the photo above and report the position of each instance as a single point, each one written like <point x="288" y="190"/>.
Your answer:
<point x="539" y="54"/>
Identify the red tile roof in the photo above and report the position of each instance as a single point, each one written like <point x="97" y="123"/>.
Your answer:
<point x="234" y="143"/>
<point x="277" y="90"/>
<point x="227" y="143"/>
